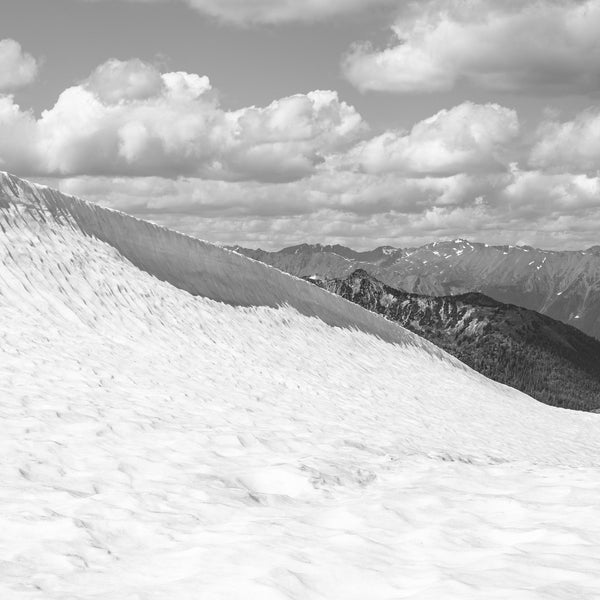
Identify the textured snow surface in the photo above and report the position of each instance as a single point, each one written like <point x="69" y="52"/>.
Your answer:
<point x="160" y="445"/>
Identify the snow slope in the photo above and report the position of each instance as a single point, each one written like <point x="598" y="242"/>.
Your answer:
<point x="248" y="442"/>
<point x="544" y="358"/>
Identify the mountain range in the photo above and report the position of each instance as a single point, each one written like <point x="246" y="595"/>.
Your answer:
<point x="547" y="359"/>
<point x="564" y="285"/>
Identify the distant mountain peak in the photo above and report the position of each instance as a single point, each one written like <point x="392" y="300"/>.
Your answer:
<point x="562" y="284"/>
<point x="361" y="273"/>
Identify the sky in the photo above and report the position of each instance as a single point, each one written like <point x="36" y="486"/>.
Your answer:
<point x="268" y="123"/>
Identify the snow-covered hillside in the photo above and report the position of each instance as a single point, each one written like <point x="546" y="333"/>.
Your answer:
<point x="249" y="442"/>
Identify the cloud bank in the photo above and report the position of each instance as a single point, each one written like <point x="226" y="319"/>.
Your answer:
<point x="307" y="167"/>
<point x="550" y="46"/>
<point x="127" y="118"/>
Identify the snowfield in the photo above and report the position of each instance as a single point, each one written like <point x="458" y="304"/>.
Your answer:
<point x="246" y="441"/>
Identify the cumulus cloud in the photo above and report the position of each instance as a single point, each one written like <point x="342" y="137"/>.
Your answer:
<point x="467" y="138"/>
<point x="442" y="195"/>
<point x="570" y="145"/>
<point x="17" y="68"/>
<point x="306" y="167"/>
<point x="516" y="46"/>
<point x="296" y="133"/>
<point x="18" y="137"/>
<point x="127" y="118"/>
<point x="117" y="80"/>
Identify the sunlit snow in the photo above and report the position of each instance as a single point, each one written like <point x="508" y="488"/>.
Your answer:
<point x="160" y="444"/>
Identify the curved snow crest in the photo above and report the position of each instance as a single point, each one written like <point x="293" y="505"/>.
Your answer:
<point x="155" y="444"/>
<point x="199" y="267"/>
<point x="48" y="235"/>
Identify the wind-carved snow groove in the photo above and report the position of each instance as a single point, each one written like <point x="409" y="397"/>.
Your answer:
<point x="157" y="444"/>
<point x="198" y="267"/>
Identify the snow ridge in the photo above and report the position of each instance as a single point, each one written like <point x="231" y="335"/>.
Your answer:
<point x="156" y="444"/>
<point x="198" y="267"/>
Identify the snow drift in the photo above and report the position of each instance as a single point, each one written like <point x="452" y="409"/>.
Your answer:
<point x="190" y="264"/>
<point x="178" y="421"/>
